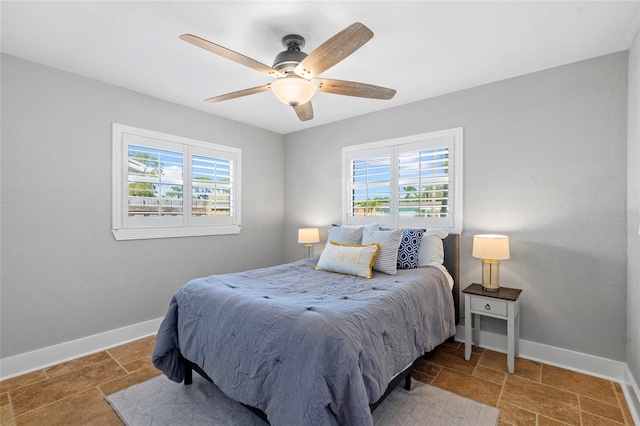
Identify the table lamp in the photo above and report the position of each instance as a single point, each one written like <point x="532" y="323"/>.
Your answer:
<point x="491" y="249"/>
<point x="308" y="236"/>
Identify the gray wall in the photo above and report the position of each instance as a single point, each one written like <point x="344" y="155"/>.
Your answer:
<point x="63" y="274"/>
<point x="544" y="162"/>
<point x="633" y="209"/>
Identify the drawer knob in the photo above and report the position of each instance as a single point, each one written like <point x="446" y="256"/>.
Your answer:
<point x="487" y="307"/>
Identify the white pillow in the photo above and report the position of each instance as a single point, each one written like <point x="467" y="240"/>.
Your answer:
<point x="372" y="226"/>
<point x="389" y="241"/>
<point x="344" y="235"/>
<point x="431" y="252"/>
<point x="346" y="259"/>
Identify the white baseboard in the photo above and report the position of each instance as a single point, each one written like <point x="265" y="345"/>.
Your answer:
<point x="570" y="360"/>
<point x="616" y="371"/>
<point x="631" y="394"/>
<point x="45" y="357"/>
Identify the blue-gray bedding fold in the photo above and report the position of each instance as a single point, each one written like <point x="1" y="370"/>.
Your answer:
<point x="306" y="347"/>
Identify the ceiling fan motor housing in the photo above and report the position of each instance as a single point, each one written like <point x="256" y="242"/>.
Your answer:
<point x="287" y="60"/>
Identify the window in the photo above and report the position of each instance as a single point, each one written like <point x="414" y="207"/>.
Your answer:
<point x="414" y="181"/>
<point x="153" y="171"/>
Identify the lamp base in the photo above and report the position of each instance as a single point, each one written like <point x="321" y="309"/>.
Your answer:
<point x="486" y="288"/>
<point x="490" y="275"/>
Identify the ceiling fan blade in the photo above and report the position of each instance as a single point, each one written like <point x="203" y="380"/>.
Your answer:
<point x="334" y="50"/>
<point x="238" y="94"/>
<point x="304" y="111"/>
<point x="230" y="54"/>
<point x="351" y="88"/>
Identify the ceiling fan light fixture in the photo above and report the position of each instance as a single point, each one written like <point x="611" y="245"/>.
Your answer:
<point x="293" y="90"/>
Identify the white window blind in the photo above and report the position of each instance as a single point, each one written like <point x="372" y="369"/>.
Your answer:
<point x="371" y="186"/>
<point x="153" y="172"/>
<point x="408" y="182"/>
<point x="423" y="183"/>
<point x="155" y="182"/>
<point x="212" y="187"/>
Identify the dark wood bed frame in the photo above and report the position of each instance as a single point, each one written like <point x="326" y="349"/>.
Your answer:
<point x="451" y="262"/>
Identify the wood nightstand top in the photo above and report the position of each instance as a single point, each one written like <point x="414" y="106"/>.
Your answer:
<point x="505" y="293"/>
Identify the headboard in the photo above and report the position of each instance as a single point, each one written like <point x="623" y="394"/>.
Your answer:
<point x="452" y="262"/>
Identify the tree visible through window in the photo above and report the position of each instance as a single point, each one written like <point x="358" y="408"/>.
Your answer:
<point x="155" y="182"/>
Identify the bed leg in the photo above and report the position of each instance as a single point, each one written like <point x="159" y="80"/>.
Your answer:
<point x="188" y="376"/>
<point x="188" y="372"/>
<point x="407" y="382"/>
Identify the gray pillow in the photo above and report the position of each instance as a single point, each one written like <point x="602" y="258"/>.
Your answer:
<point x="389" y="241"/>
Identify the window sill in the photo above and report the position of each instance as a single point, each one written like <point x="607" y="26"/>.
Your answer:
<point x="194" y="231"/>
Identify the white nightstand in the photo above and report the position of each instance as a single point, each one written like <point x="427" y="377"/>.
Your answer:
<point x="503" y="304"/>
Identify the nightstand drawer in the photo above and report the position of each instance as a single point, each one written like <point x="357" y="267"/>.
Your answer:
<point x="496" y="307"/>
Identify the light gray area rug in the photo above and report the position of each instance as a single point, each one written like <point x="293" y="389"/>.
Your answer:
<point x="160" y="402"/>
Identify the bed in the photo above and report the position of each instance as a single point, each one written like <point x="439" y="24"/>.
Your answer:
<point x="300" y="351"/>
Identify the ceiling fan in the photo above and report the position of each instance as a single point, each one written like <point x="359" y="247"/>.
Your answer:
<point x="296" y="72"/>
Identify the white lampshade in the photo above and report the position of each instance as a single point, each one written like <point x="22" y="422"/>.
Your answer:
<point x="491" y="249"/>
<point x="308" y="235"/>
<point x="293" y="90"/>
<point x="494" y="247"/>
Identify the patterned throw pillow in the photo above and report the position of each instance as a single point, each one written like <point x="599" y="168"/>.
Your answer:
<point x="409" y="248"/>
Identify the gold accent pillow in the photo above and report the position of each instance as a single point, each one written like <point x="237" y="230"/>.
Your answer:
<point x="349" y="259"/>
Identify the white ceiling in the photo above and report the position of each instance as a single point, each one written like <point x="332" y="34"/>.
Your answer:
<point x="420" y="48"/>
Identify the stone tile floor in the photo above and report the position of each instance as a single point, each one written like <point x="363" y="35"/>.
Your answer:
<point x="536" y="394"/>
<point x="73" y="393"/>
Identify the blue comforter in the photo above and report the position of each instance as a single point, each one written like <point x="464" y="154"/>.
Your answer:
<point x="306" y="347"/>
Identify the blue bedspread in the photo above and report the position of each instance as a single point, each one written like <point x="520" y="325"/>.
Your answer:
<point x="306" y="347"/>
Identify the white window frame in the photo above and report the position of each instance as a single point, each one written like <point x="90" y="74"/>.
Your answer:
<point x="453" y="138"/>
<point x="125" y="229"/>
